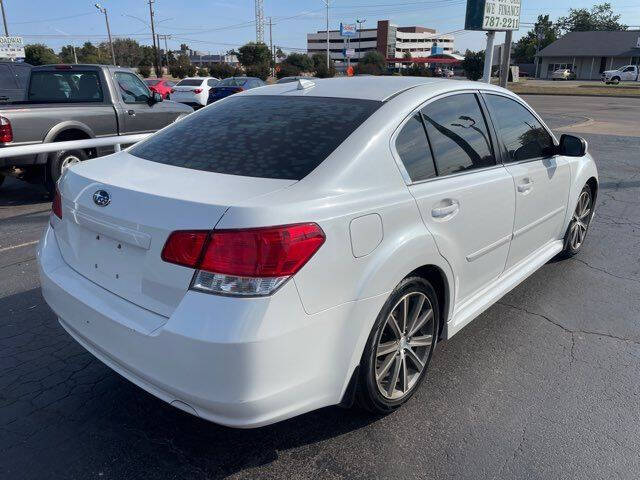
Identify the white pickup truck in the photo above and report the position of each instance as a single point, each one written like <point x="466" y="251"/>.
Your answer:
<point x="628" y="73"/>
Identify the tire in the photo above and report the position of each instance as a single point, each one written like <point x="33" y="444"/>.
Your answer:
<point x="390" y="354"/>
<point x="579" y="224"/>
<point x="615" y="80"/>
<point x="56" y="164"/>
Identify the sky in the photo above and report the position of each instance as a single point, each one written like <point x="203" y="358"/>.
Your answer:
<point x="214" y="26"/>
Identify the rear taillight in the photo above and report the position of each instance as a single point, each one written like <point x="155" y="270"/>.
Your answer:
<point x="197" y="90"/>
<point x="6" y="133"/>
<point x="173" y="90"/>
<point x="247" y="262"/>
<point x="56" y="205"/>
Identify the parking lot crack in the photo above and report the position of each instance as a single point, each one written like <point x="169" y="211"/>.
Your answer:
<point x="588" y="265"/>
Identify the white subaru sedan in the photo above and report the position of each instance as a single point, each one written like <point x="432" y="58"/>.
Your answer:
<point x="308" y="244"/>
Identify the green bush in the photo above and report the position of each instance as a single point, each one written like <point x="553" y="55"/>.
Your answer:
<point x="320" y="66"/>
<point x="473" y="64"/>
<point x="260" y="70"/>
<point x="144" y="70"/>
<point x="223" y="70"/>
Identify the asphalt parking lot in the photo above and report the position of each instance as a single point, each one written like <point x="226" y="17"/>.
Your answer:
<point x="543" y="385"/>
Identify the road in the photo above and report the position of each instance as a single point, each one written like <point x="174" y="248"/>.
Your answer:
<point x="543" y="385"/>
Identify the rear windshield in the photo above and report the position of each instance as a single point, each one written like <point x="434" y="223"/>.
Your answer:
<point x="152" y="82"/>
<point x="232" y="82"/>
<point x="190" y="82"/>
<point x="263" y="136"/>
<point x="64" y="87"/>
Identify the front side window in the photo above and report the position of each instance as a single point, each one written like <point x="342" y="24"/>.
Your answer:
<point x="132" y="89"/>
<point x="458" y="134"/>
<point x="64" y="86"/>
<point x="265" y="136"/>
<point x="522" y="134"/>
<point x="413" y="149"/>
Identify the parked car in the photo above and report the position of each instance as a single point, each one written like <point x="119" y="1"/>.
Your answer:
<point x="193" y="91"/>
<point x="563" y="74"/>
<point x="293" y="250"/>
<point x="232" y="85"/>
<point x="74" y="102"/>
<point x="447" y="73"/>
<point x="628" y="73"/>
<point x="13" y="81"/>
<point x="294" y="79"/>
<point x="163" y="87"/>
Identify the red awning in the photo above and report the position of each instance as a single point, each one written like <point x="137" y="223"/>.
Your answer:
<point x="444" y="61"/>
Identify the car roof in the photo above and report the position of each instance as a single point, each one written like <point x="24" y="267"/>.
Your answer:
<point x="379" y="88"/>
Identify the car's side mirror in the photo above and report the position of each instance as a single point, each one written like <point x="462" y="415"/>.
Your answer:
<point x="572" y="146"/>
<point x="155" y="98"/>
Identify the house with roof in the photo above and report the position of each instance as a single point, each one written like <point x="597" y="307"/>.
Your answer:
<point x="590" y="53"/>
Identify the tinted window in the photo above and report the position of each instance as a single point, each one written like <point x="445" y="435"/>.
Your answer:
<point x="523" y="135"/>
<point x="22" y="74"/>
<point x="413" y="148"/>
<point x="6" y="77"/>
<point x="132" y="89"/>
<point x="258" y="136"/>
<point x="232" y="82"/>
<point x="65" y="86"/>
<point x="458" y="134"/>
<point x="190" y="82"/>
<point x="152" y="82"/>
<point x="212" y="82"/>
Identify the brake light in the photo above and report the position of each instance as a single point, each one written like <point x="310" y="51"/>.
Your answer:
<point x="246" y="262"/>
<point x="197" y="90"/>
<point x="62" y="67"/>
<point x="6" y="132"/>
<point x="56" y="205"/>
<point x="238" y="89"/>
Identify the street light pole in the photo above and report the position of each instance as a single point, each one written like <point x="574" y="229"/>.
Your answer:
<point x="4" y="18"/>
<point x="360" y="22"/>
<point x="106" y="19"/>
<point x="326" y="2"/>
<point x="156" y="47"/>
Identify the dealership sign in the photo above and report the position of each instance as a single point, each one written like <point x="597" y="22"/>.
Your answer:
<point x="493" y="15"/>
<point x="11" y="47"/>
<point x="347" y="30"/>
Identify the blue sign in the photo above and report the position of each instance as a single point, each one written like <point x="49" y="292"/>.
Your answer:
<point x="348" y="29"/>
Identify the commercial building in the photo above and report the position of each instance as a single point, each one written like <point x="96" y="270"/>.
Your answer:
<point x="590" y="53"/>
<point x="390" y="40"/>
<point x="201" y="59"/>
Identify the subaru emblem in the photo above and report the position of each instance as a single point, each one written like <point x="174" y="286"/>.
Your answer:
<point x="101" y="198"/>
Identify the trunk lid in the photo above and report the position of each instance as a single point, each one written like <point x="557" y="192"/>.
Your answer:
<point x="118" y="245"/>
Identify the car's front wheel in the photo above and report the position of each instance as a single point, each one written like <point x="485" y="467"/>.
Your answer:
<point x="579" y="224"/>
<point x="399" y="347"/>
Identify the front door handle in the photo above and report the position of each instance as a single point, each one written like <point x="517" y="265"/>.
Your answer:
<point x="525" y="186"/>
<point x="450" y="209"/>
<point x="131" y="112"/>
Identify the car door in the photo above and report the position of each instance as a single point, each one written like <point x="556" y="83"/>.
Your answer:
<point x="140" y="116"/>
<point x="464" y="195"/>
<point x="629" y="74"/>
<point x="541" y="178"/>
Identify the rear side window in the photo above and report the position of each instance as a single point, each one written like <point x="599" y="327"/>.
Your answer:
<point x="266" y="136"/>
<point x="458" y="134"/>
<point x="22" y="74"/>
<point x="232" y="82"/>
<point x="413" y="148"/>
<point x="64" y="86"/>
<point x="6" y="77"/>
<point x="212" y="82"/>
<point x="522" y="134"/>
<point x="190" y="82"/>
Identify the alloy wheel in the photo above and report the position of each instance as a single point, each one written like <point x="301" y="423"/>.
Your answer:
<point x="68" y="161"/>
<point x="580" y="221"/>
<point x="404" y="345"/>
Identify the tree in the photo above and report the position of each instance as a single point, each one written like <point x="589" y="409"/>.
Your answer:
<point x="222" y="70"/>
<point x="544" y="33"/>
<point x="144" y="70"/>
<point x="373" y="63"/>
<point x="182" y="67"/>
<point x="254" y="54"/>
<point x="295" y="64"/>
<point x="473" y="64"/>
<point x="89" y="53"/>
<point x="320" y="66"/>
<point x="128" y="52"/>
<point x="260" y="70"/>
<point x="66" y="54"/>
<point x="280" y="54"/>
<point x="39" y="54"/>
<point x="202" y="71"/>
<point x="599" y="18"/>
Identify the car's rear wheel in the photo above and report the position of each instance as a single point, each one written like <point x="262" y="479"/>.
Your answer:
<point x="579" y="224"/>
<point x="58" y="162"/>
<point x="399" y="348"/>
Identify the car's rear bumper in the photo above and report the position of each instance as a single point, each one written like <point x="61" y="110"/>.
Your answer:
<point x="190" y="100"/>
<point x="237" y="362"/>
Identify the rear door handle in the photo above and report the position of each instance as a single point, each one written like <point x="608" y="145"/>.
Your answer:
<point x="447" y="211"/>
<point x="131" y="112"/>
<point x="525" y="186"/>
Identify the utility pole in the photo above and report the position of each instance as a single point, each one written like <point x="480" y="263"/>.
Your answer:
<point x="273" y="57"/>
<point x="156" y="49"/>
<point x="106" y="19"/>
<point x="360" y="22"/>
<point x="506" y="59"/>
<point x="4" y="18"/>
<point x="488" y="57"/>
<point x="326" y="2"/>
<point x="166" y="48"/>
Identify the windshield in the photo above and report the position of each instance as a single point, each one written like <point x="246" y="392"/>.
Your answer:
<point x="232" y="82"/>
<point x="265" y="136"/>
<point x="190" y="82"/>
<point x="64" y="86"/>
